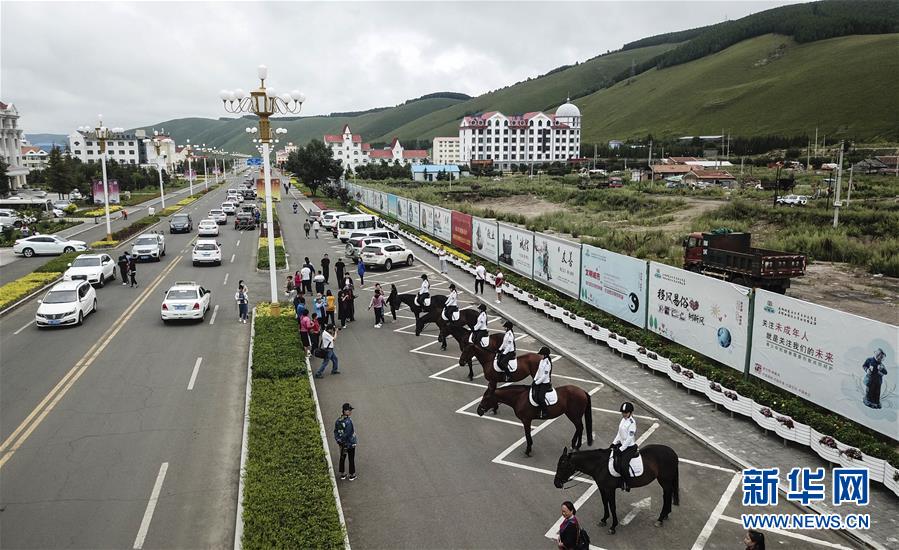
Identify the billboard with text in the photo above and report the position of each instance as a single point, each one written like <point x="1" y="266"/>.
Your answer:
<point x="557" y="263"/>
<point x="443" y="224"/>
<point x="516" y="249"/>
<point x="485" y="240"/>
<point x="462" y="231"/>
<point x="614" y="283"/>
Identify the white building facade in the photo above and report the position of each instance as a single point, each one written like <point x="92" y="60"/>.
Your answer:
<point x="446" y="150"/>
<point x="11" y="145"/>
<point x="531" y="138"/>
<point x="124" y="148"/>
<point x="348" y="148"/>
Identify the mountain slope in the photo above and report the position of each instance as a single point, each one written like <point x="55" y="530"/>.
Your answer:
<point x="766" y="85"/>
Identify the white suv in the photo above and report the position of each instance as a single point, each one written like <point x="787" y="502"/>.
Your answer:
<point x="67" y="303"/>
<point x="386" y="255"/>
<point x="793" y="200"/>
<point x="206" y="251"/>
<point x="149" y="246"/>
<point x="93" y="268"/>
<point x="358" y="241"/>
<point x="229" y="208"/>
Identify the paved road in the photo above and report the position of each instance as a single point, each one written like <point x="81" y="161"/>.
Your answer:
<point x="434" y="474"/>
<point x="94" y="417"/>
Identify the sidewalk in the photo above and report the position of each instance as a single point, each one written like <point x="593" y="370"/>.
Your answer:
<point x="737" y="439"/>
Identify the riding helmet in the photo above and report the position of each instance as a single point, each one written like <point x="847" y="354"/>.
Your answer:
<point x="482" y="307"/>
<point x="424" y="275"/>
<point x="508" y="325"/>
<point x="627" y="407"/>
<point x="545" y="351"/>
<point x="452" y="287"/>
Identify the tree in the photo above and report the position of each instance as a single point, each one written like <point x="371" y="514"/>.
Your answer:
<point x="314" y="165"/>
<point x="4" y="179"/>
<point x="55" y="173"/>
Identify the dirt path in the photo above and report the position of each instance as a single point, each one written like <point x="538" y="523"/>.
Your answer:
<point x="851" y="289"/>
<point x="685" y="216"/>
<point x="527" y="205"/>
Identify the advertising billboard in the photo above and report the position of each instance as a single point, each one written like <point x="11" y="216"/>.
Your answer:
<point x="426" y="222"/>
<point x="462" y="231"/>
<point x="557" y="263"/>
<point x="614" y="283"/>
<point x="382" y="202"/>
<point x="443" y="224"/>
<point x="392" y="205"/>
<point x="704" y="314"/>
<point x="843" y="362"/>
<point x="97" y="191"/>
<point x="276" y="189"/>
<point x="516" y="249"/>
<point x="412" y="215"/>
<point x="484" y="241"/>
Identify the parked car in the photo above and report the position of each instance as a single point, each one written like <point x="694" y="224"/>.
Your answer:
<point x="181" y="223"/>
<point x="244" y="220"/>
<point x="329" y="219"/>
<point x="386" y="255"/>
<point x="67" y="303"/>
<point x="352" y="223"/>
<point x="218" y="215"/>
<point x="61" y="205"/>
<point x="793" y="200"/>
<point x="149" y="246"/>
<point x="358" y="241"/>
<point x="10" y="218"/>
<point x="93" y="268"/>
<point x="185" y="300"/>
<point x="206" y="251"/>
<point x="75" y="195"/>
<point x="208" y="227"/>
<point x="46" y="244"/>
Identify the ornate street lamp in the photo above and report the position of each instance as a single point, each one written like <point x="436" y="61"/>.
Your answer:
<point x="103" y="134"/>
<point x="157" y="144"/>
<point x="264" y="102"/>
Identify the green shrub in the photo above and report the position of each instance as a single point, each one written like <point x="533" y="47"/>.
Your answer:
<point x="59" y="263"/>
<point x="279" y="354"/>
<point x="14" y="291"/>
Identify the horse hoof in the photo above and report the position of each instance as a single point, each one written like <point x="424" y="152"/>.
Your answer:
<point x="603" y="522"/>
<point x="527" y="453"/>
<point x="658" y="523"/>
<point x="471" y="378"/>
<point x="612" y="531"/>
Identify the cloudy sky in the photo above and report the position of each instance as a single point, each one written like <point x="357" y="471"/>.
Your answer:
<point x="147" y="62"/>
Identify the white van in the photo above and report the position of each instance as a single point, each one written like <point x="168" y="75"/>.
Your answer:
<point x="355" y="223"/>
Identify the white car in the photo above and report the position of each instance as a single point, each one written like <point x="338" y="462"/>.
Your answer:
<point x="93" y="268"/>
<point x="149" y="246"/>
<point x="386" y="255"/>
<point x="61" y="204"/>
<point x="329" y="219"/>
<point x="229" y="208"/>
<point x="218" y="216"/>
<point x="208" y="228"/>
<point x="206" y="251"/>
<point x="75" y="195"/>
<point x="46" y="244"/>
<point x="67" y="303"/>
<point x="185" y="300"/>
<point x="793" y="200"/>
<point x="10" y="218"/>
<point x="235" y="197"/>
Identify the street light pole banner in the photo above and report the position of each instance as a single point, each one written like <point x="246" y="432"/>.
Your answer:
<point x="704" y="314"/>
<point x="276" y="189"/>
<point x="427" y="218"/>
<point x="443" y="224"/>
<point x="614" y="283"/>
<point x="97" y="191"/>
<point x="557" y="263"/>
<point x="485" y="242"/>
<point x="843" y="362"/>
<point x="391" y="205"/>
<point x="516" y="249"/>
<point x="462" y="231"/>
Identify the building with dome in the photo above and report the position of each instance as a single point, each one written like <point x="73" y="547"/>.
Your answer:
<point x="531" y="138"/>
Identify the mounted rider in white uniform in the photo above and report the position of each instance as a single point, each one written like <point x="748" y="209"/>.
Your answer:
<point x="543" y="381"/>
<point x="624" y="446"/>
<point x="480" y="326"/>
<point x="452" y="303"/>
<point x="506" y="349"/>
<point x="424" y="292"/>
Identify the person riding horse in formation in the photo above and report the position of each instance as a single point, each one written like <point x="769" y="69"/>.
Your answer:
<point x="424" y="293"/>
<point x="480" y="327"/>
<point x="624" y="445"/>
<point x="543" y="381"/>
<point x="507" y="348"/>
<point x="452" y="304"/>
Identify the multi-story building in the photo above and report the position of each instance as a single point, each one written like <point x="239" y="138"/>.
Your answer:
<point x="349" y="149"/>
<point x="531" y="138"/>
<point x="34" y="158"/>
<point x="396" y="154"/>
<point x="446" y="150"/>
<point x="167" y="151"/>
<point x="282" y="155"/>
<point x="124" y="148"/>
<point x="11" y="145"/>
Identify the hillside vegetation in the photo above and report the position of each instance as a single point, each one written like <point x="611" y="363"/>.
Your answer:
<point x="766" y="85"/>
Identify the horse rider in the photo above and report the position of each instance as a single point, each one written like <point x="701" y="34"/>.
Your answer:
<point x="624" y="447"/>
<point x="452" y="303"/>
<point x="480" y="326"/>
<point x="542" y="381"/>
<point x="507" y="348"/>
<point x="424" y="292"/>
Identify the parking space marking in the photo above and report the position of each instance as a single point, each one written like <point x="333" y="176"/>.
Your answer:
<point x="705" y="465"/>
<point x="716" y="514"/>
<point x="437" y="376"/>
<point x="151" y="507"/>
<point x="193" y="375"/>
<point x="28" y="324"/>
<point x="226" y="279"/>
<point x="215" y="311"/>
<point x="798" y="536"/>
<point x="237" y="243"/>
<point x="232" y="257"/>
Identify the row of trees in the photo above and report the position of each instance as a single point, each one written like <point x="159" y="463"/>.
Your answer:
<point x="313" y="165"/>
<point x="383" y="171"/>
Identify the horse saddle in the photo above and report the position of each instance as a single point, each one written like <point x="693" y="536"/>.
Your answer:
<point x="635" y="465"/>
<point x="513" y="364"/>
<point x="426" y="304"/>
<point x="551" y="397"/>
<point x="455" y="316"/>
<point x="485" y="341"/>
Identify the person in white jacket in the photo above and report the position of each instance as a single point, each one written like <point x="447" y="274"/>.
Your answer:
<point x="424" y="291"/>
<point x="507" y="348"/>
<point x="624" y="446"/>
<point x="543" y="381"/>
<point x="452" y="303"/>
<point x="480" y="326"/>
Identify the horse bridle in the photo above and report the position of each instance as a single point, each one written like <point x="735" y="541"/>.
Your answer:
<point x="571" y="477"/>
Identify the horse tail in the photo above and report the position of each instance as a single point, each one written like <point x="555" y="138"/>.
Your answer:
<point x="676" y="496"/>
<point x="588" y="420"/>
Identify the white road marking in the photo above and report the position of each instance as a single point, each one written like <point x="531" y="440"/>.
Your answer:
<point x="226" y="279"/>
<point x="232" y="257"/>
<point x="151" y="507"/>
<point x="799" y="536"/>
<point x="705" y="465"/>
<point x="703" y="537"/>
<point x="647" y="433"/>
<point x="28" y="324"/>
<point x="642" y="504"/>
<point x="237" y="243"/>
<point x="419" y="348"/>
<point x="215" y="311"/>
<point x="193" y="375"/>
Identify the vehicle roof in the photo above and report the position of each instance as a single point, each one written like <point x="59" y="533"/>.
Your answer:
<point x="180" y="215"/>
<point x="207" y="220"/>
<point x="98" y="255"/>
<point x="207" y="241"/>
<point x="215" y="210"/>
<point x="363" y="217"/>
<point x="148" y="235"/>
<point x="384" y="243"/>
<point x="184" y="284"/>
<point x="67" y="285"/>
<point x="336" y="213"/>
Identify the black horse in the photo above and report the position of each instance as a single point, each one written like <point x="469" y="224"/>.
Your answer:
<point x="431" y="313"/>
<point x="468" y="317"/>
<point x="659" y="462"/>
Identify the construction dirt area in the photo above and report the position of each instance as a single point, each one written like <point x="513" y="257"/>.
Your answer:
<point x="851" y="289"/>
<point x="528" y="206"/>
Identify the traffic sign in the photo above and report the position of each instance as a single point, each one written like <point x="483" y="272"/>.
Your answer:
<point x="254" y="161"/>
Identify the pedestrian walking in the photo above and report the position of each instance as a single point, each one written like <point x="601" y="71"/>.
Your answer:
<point x="754" y="540"/>
<point x="315" y="331"/>
<point x="570" y="534"/>
<point x="498" y="281"/>
<point x="480" y="276"/>
<point x="124" y="214"/>
<point x="330" y="308"/>
<point x="342" y="308"/>
<point x="360" y="270"/>
<point x="326" y="350"/>
<point x="132" y="271"/>
<point x="306" y="279"/>
<point x="442" y="257"/>
<point x="315" y="227"/>
<point x="243" y="303"/>
<point x="345" y="434"/>
<point x="306" y="228"/>
<point x="295" y="207"/>
<point x="298" y="281"/>
<point x="351" y="304"/>
<point x="123" y="268"/>
<point x="339" y="270"/>
<point x="326" y="267"/>
<point x="377" y="302"/>
<point x="300" y="306"/>
<point x="319" y="281"/>
<point x="305" y="326"/>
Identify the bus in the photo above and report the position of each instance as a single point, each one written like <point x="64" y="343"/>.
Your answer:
<point x="13" y="210"/>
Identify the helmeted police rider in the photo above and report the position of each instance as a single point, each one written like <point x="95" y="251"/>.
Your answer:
<point x="543" y="381"/>
<point x="480" y="326"/>
<point x="507" y="349"/>
<point x="424" y="292"/>
<point x="452" y="303"/>
<point x="624" y="446"/>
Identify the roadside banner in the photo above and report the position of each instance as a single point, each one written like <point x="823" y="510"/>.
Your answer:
<point x="391" y="205"/>
<point x="276" y="189"/>
<point x="557" y="263"/>
<point x="702" y="313"/>
<point x="516" y="249"/>
<point x="614" y="283"/>
<point x="426" y="222"/>
<point x="97" y="191"/>
<point x="402" y="206"/>
<point x="443" y="224"/>
<point x="382" y="202"/>
<point x="843" y="362"/>
<point x="462" y="231"/>
<point x="412" y="215"/>
<point x="485" y="242"/>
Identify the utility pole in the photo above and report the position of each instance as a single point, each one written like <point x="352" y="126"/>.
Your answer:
<point x="808" y="159"/>
<point x="649" y="160"/>
<point x="816" y="141"/>
<point x="849" y="193"/>
<point x="836" y="200"/>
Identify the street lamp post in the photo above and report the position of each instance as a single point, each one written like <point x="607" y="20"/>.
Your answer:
<point x="264" y="102"/>
<point x="103" y="134"/>
<point x="205" y="173"/>
<point x="156" y="142"/>
<point x="190" y="179"/>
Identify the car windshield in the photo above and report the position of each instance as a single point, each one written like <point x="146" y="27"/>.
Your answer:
<point x="208" y="246"/>
<point x="179" y="218"/>
<point x="85" y="262"/>
<point x="145" y="240"/>
<point x="182" y="294"/>
<point x="215" y="212"/>
<point x="60" y="297"/>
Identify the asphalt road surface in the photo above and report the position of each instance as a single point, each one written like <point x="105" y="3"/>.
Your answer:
<point x="125" y="432"/>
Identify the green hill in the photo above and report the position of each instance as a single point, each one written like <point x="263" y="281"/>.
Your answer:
<point x="767" y="85"/>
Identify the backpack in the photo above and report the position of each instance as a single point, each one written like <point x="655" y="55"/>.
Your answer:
<point x="340" y="430"/>
<point x="583" y="539"/>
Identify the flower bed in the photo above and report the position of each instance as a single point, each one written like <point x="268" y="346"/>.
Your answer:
<point x="185" y="202"/>
<point x="280" y="254"/>
<point x="14" y="291"/>
<point x="99" y="211"/>
<point x="104" y="244"/>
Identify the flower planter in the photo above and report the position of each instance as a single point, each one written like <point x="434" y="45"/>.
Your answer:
<point x="768" y="423"/>
<point x="827" y="453"/>
<point x="741" y="405"/>
<point x="786" y="427"/>
<point x="891" y="478"/>
<point x="660" y="364"/>
<point x="698" y="383"/>
<point x="717" y="396"/>
<point x="876" y="466"/>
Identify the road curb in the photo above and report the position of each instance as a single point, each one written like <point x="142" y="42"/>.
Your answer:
<point x="244" y="449"/>
<point x="10" y="308"/>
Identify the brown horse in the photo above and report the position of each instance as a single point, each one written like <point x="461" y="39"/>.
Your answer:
<point x="528" y="363"/>
<point x="573" y="402"/>
<point x="659" y="462"/>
